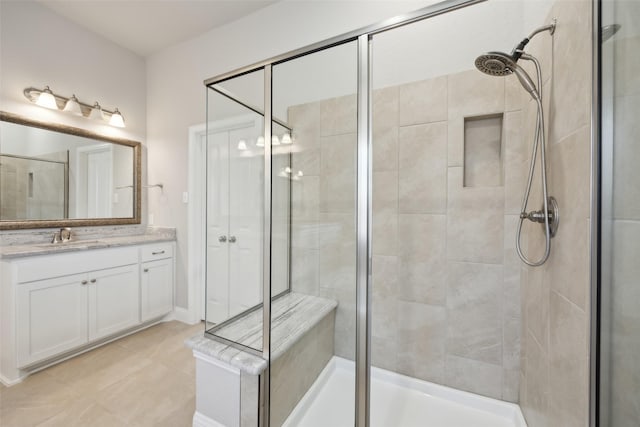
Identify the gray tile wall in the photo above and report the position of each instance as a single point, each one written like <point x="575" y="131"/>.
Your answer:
<point x="555" y="300"/>
<point x="446" y="278"/>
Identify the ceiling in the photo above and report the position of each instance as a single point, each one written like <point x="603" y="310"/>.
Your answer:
<point x="147" y="26"/>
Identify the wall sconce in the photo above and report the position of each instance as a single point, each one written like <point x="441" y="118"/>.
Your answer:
<point x="46" y="98"/>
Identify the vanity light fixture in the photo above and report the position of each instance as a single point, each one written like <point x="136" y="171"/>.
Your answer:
<point x="275" y="140"/>
<point x="242" y="145"/>
<point x="286" y="139"/>
<point x="260" y="141"/>
<point x="73" y="106"/>
<point x="46" y="98"/>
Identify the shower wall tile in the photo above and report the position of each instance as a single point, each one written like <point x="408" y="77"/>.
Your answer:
<point x="472" y="93"/>
<point x="570" y="172"/>
<point x="304" y="271"/>
<point x="571" y="95"/>
<point x="385" y="149"/>
<point x="421" y="341"/>
<point x="423" y="281"/>
<point x="385" y="192"/>
<point x="474" y="376"/>
<point x="474" y="309"/>
<point x="385" y="234"/>
<point x="384" y="353"/>
<point x="385" y="108"/>
<point x="455" y="142"/>
<point x="511" y="385"/>
<point x="627" y="66"/>
<point x="424" y="101"/>
<point x="422" y="161"/>
<point x="511" y="294"/>
<point x="338" y="193"/>
<point x="568" y="383"/>
<point x="385" y="289"/>
<point x="305" y="199"/>
<point x="626" y="198"/>
<point x="337" y="252"/>
<point x="338" y="115"/>
<point x="554" y="386"/>
<point x="511" y="344"/>
<point x="514" y="95"/>
<point x="473" y="234"/>
<point x="422" y="237"/>
<point x="338" y="154"/>
<point x="515" y="162"/>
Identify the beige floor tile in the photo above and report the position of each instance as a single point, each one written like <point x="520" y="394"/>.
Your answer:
<point x="145" y="379"/>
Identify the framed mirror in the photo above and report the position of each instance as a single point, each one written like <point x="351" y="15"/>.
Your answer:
<point x="54" y="175"/>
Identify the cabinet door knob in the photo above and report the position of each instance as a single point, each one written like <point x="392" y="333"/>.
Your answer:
<point x="232" y="239"/>
<point x="146" y="270"/>
<point x="93" y="280"/>
<point x="222" y="239"/>
<point x="84" y="282"/>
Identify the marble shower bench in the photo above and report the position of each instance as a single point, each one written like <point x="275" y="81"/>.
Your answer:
<point x="228" y="379"/>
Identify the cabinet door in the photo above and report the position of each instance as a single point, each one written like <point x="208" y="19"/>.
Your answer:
<point x="157" y="288"/>
<point x="51" y="317"/>
<point x="114" y="300"/>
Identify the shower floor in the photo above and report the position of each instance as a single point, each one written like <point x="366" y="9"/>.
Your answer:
<point x="399" y="401"/>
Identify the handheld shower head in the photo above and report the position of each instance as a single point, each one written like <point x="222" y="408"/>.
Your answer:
<point x="502" y="64"/>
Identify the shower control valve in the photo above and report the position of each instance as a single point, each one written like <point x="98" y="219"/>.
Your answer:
<point x="539" y="216"/>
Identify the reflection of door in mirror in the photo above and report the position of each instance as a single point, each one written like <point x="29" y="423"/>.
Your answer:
<point x="94" y="181"/>
<point x="234" y="219"/>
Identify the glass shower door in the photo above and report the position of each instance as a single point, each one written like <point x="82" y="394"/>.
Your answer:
<point x="620" y="215"/>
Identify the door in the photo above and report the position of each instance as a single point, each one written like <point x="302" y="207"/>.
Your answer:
<point x="114" y="300"/>
<point x="156" y="288"/>
<point x="99" y="183"/>
<point x="51" y="317"/>
<point x="234" y="219"/>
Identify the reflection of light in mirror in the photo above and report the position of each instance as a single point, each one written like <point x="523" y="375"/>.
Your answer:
<point x="260" y="142"/>
<point x="242" y="145"/>
<point x="275" y="140"/>
<point x="286" y="139"/>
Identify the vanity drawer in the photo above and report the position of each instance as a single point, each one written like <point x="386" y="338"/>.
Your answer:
<point x="156" y="251"/>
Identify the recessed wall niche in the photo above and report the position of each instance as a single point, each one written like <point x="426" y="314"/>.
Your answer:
<point x="483" y="151"/>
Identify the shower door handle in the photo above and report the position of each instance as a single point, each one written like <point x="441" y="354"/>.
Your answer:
<point x="222" y="239"/>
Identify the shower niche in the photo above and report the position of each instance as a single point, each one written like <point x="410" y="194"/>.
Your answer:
<point x="483" y="151"/>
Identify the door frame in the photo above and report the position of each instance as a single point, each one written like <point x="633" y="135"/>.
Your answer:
<point x="197" y="209"/>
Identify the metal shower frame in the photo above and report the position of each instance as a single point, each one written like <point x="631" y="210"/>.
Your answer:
<point x="363" y="38"/>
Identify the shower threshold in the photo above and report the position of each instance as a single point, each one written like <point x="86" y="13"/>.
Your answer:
<point x="399" y="401"/>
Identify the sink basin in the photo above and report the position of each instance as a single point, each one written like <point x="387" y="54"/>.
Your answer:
<point x="70" y="244"/>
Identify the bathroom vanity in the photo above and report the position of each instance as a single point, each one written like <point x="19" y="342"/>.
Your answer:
<point x="60" y="299"/>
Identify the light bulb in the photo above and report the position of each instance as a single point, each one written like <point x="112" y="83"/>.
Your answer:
<point x="260" y="141"/>
<point x="73" y="106"/>
<point x="117" y="119"/>
<point x="275" y="140"/>
<point x="46" y="99"/>
<point x="242" y="145"/>
<point x="287" y="169"/>
<point x="300" y="174"/>
<point x="96" y="112"/>
<point x="286" y="139"/>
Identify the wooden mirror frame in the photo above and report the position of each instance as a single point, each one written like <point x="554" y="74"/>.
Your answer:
<point x="76" y="222"/>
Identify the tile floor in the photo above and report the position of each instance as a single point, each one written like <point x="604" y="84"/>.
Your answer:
<point x="145" y="379"/>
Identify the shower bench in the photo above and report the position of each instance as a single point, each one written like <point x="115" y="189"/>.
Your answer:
<point x="228" y="378"/>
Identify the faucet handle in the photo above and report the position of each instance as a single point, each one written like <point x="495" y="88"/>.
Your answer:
<point x="56" y="238"/>
<point x="65" y="234"/>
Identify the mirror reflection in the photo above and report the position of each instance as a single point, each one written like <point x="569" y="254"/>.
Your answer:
<point x="49" y="175"/>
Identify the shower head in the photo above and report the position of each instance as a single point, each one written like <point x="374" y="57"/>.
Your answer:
<point x="608" y="31"/>
<point x="502" y="64"/>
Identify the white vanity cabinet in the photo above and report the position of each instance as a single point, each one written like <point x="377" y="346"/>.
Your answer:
<point x="156" y="280"/>
<point x="57" y="304"/>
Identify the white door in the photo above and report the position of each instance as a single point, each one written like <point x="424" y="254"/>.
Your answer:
<point x="114" y="300"/>
<point x="51" y="317"/>
<point x="156" y="288"/>
<point x="218" y="227"/>
<point x="246" y="205"/>
<point x="234" y="221"/>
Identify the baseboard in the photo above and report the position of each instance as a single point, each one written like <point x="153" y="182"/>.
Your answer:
<point x="184" y="315"/>
<point x="8" y="383"/>
<point x="200" y="420"/>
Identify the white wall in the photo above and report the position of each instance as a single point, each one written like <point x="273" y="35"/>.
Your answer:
<point x="39" y="47"/>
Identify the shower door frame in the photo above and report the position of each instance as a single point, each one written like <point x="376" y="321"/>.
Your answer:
<point x="363" y="38"/>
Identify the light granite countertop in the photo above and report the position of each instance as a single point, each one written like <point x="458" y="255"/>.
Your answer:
<point x="86" y="242"/>
<point x="293" y="315"/>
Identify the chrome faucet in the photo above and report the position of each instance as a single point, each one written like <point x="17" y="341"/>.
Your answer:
<point x="64" y="235"/>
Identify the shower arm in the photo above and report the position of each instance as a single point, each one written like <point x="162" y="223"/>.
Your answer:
<point x="519" y="49"/>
